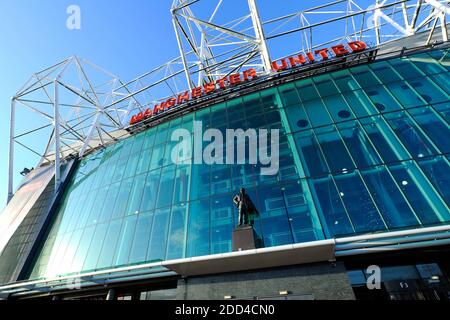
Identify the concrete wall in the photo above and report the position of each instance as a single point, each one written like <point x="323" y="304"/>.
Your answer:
<point x="322" y="281"/>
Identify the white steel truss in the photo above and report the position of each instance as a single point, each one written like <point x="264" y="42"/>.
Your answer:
<point x="84" y="107"/>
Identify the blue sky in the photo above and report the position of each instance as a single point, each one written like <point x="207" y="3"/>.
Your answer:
<point x="127" y="38"/>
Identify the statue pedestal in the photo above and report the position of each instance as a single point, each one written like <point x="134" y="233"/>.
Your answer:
<point x="244" y="238"/>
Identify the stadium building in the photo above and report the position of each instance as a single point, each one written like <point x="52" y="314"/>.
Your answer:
<point x="359" y="206"/>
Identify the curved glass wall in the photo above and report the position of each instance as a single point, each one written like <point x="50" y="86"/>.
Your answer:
<point x="361" y="150"/>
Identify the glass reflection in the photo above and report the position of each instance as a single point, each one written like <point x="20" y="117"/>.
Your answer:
<point x="361" y="150"/>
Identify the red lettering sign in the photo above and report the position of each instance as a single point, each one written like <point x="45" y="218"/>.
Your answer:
<point x="338" y="51"/>
<point x="207" y="88"/>
<point x="237" y="78"/>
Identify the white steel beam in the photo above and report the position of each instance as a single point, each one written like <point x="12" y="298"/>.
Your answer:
<point x="182" y="53"/>
<point x="57" y="137"/>
<point x="11" y="150"/>
<point x="439" y="6"/>
<point x="259" y="32"/>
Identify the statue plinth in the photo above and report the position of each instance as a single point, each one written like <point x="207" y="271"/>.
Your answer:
<point x="244" y="238"/>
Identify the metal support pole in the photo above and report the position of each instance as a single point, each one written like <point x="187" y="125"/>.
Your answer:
<point x="259" y="33"/>
<point x="11" y="150"/>
<point x="443" y="27"/>
<point x="183" y="57"/>
<point x="57" y="137"/>
<point x="90" y="134"/>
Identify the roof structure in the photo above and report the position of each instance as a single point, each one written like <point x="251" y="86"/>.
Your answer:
<point x="82" y="107"/>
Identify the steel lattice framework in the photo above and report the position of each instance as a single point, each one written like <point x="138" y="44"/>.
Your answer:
<point x="82" y="107"/>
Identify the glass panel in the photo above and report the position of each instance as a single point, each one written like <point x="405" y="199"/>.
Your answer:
<point x="426" y="63"/>
<point x="325" y="85"/>
<point x="428" y="90"/>
<point x="405" y="95"/>
<point x="220" y="178"/>
<point x="222" y="224"/>
<point x="357" y="199"/>
<point x="360" y="147"/>
<point x="82" y="251"/>
<point x="288" y="94"/>
<point x="384" y="140"/>
<point x="338" y="108"/>
<point x="306" y="90"/>
<point x="132" y="164"/>
<point x="421" y="196"/>
<point x="198" y="228"/>
<point x="252" y="105"/>
<point x="244" y="176"/>
<point x="219" y="113"/>
<point x="442" y="56"/>
<point x="411" y="136"/>
<point x="311" y="156"/>
<point x="162" y="134"/>
<point x="204" y="116"/>
<point x="122" y="198"/>
<point x="119" y="170"/>
<point x="177" y="232"/>
<point x="390" y="201"/>
<point x="329" y="204"/>
<point x="360" y="103"/>
<point x="382" y="99"/>
<point x="157" y="157"/>
<point x="182" y="182"/>
<point x="200" y="185"/>
<point x="137" y="144"/>
<point x="287" y="169"/>
<point x="364" y="76"/>
<point x="134" y="202"/>
<point x="303" y="219"/>
<point x="149" y="139"/>
<point x="97" y="206"/>
<point x="344" y="81"/>
<point x="275" y="223"/>
<point x="384" y="72"/>
<point x="166" y="184"/>
<point x="65" y="263"/>
<point x="158" y="239"/>
<point x="443" y="81"/>
<point x="235" y="111"/>
<point x="96" y="246"/>
<point x="331" y="145"/>
<point x="167" y="159"/>
<point x="188" y="122"/>
<point x="109" y="244"/>
<point x="444" y="110"/>
<point x="143" y="161"/>
<point x="270" y="99"/>
<point x="317" y="113"/>
<point x="86" y="210"/>
<point x="122" y="251"/>
<point x="434" y="127"/>
<point x="150" y="191"/>
<point x="138" y="250"/>
<point x="297" y="117"/>
<point x="107" y="210"/>
<point x="406" y="69"/>
<point x="437" y="170"/>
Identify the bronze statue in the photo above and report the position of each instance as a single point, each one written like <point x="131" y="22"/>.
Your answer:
<point x="245" y="206"/>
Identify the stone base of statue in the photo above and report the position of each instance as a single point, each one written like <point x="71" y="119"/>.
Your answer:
<point x="244" y="238"/>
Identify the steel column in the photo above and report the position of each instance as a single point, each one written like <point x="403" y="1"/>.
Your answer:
<point x="11" y="150"/>
<point x="259" y="33"/>
<point x="57" y="137"/>
<point x="180" y="46"/>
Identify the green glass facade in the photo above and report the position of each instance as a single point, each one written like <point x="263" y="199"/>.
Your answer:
<point x="362" y="150"/>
